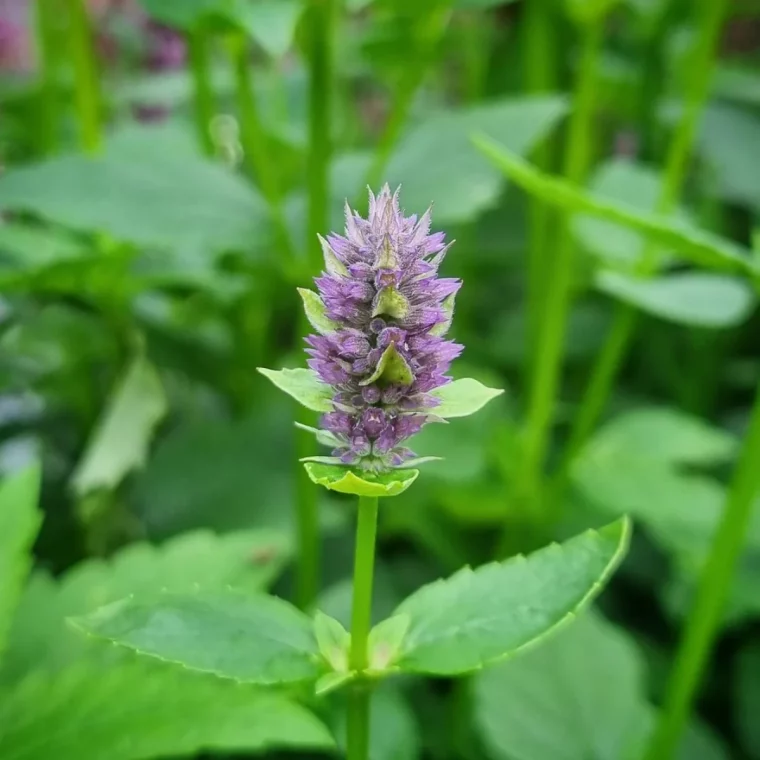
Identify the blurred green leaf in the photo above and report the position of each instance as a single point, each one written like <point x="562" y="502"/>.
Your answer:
<point x="140" y="710"/>
<point x="692" y="244"/>
<point x="436" y="162"/>
<point x="39" y="639"/>
<point x="747" y="675"/>
<point x="121" y="439"/>
<point x="248" y="638"/>
<point x="475" y="618"/>
<point x="19" y="522"/>
<point x="696" y="299"/>
<point x="150" y="187"/>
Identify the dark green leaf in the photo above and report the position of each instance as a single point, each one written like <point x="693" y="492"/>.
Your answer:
<point x="748" y="699"/>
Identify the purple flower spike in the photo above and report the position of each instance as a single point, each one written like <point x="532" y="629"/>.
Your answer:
<point x="382" y="347"/>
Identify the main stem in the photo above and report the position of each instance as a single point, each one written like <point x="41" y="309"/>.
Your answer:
<point x="559" y="275"/>
<point x="203" y="94"/>
<point x="704" y="620"/>
<point x="619" y="338"/>
<point x="357" y="727"/>
<point x="86" y="86"/>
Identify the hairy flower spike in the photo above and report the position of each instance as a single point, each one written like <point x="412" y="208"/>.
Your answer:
<point x="387" y="352"/>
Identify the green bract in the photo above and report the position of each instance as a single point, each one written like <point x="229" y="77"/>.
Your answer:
<point x="345" y="480"/>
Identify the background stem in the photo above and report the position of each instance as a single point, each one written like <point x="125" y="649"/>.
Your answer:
<point x="49" y="121"/>
<point x="86" y="83"/>
<point x="705" y="617"/>
<point x="203" y="95"/>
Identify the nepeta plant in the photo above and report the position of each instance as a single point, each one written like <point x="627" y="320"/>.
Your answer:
<point x="378" y="373"/>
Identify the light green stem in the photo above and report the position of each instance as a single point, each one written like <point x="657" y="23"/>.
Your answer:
<point x="49" y="121"/>
<point x="704" y="620"/>
<point x="619" y="338"/>
<point x="203" y="94"/>
<point x="307" y="520"/>
<point x="357" y="725"/>
<point x="560" y="271"/>
<point x="86" y="85"/>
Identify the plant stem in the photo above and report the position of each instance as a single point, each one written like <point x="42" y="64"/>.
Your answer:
<point x="620" y="335"/>
<point x="540" y="67"/>
<point x="203" y="94"/>
<point x="704" y="619"/>
<point x="307" y="519"/>
<point x="49" y="102"/>
<point x="357" y="726"/>
<point x="86" y="86"/>
<point x="558" y="286"/>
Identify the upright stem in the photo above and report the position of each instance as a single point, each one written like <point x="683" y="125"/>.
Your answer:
<point x="704" y="619"/>
<point x="307" y="521"/>
<point x="203" y="94"/>
<point x="49" y="101"/>
<point x="361" y="622"/>
<point x="559" y="274"/>
<point x="540" y="68"/>
<point x="619" y="338"/>
<point x="86" y="86"/>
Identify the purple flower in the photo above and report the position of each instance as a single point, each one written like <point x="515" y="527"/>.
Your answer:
<point x="384" y="349"/>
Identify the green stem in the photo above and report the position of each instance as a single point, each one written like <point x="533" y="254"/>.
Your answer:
<point x="704" y="620"/>
<point x="619" y="338"/>
<point x="87" y="92"/>
<point x="203" y="94"/>
<point x="431" y="30"/>
<point x="558" y="286"/>
<point x="307" y="521"/>
<point x="539" y="61"/>
<point x="49" y="103"/>
<point x="361" y="623"/>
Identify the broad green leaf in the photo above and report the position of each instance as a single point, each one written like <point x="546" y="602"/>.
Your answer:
<point x="747" y="675"/>
<point x="698" y="299"/>
<point x="344" y="480"/>
<point x="628" y="182"/>
<point x="141" y="710"/>
<point x="477" y="617"/>
<point x="19" y="522"/>
<point x="39" y="638"/>
<point x="250" y="638"/>
<point x="304" y="386"/>
<point x="733" y="81"/>
<point x="435" y="162"/>
<point x="149" y="187"/>
<point x="271" y="23"/>
<point x="692" y="244"/>
<point x="315" y="312"/>
<point x="122" y="437"/>
<point x="463" y="397"/>
<point x="555" y="702"/>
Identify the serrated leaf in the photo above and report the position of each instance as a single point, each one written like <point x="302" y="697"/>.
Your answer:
<point x="121" y="439"/>
<point x="692" y="244"/>
<point x="19" y="523"/>
<point x="463" y="397"/>
<point x="343" y="480"/>
<point x="315" y="312"/>
<point x="697" y="299"/>
<point x="142" y="710"/>
<point x="249" y="638"/>
<point x="477" y="617"/>
<point x="304" y="386"/>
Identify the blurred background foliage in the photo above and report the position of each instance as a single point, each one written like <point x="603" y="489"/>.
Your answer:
<point x="165" y="165"/>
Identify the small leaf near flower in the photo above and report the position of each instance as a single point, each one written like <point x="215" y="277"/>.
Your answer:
<point x="392" y="369"/>
<point x="344" y="480"/>
<point x="314" y="308"/>
<point x="329" y="682"/>
<point x="390" y="302"/>
<point x="448" y="308"/>
<point x="463" y="398"/>
<point x="333" y="641"/>
<point x="303" y="385"/>
<point x="385" y="641"/>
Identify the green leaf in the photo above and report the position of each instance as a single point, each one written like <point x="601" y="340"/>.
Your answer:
<point x="436" y="162"/>
<point x="141" y="710"/>
<point x="697" y="299"/>
<point x="477" y="617"/>
<point x="271" y="23"/>
<point x="333" y="641"/>
<point x="747" y="675"/>
<point x="19" y="523"/>
<point x="391" y="369"/>
<point x="149" y="187"/>
<point x="695" y="245"/>
<point x="385" y="642"/>
<point x="244" y="637"/>
<point x="463" y="397"/>
<point x="315" y="312"/>
<point x="304" y="386"/>
<point x="122" y="437"/>
<point x="344" y="480"/>
<point x="249" y="560"/>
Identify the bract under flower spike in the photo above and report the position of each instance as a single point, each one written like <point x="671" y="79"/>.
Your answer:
<point x="383" y="347"/>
